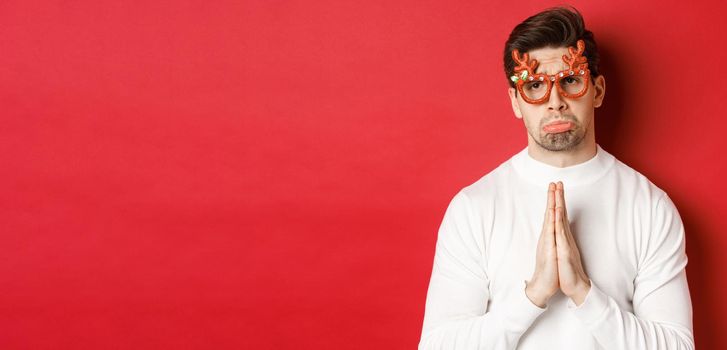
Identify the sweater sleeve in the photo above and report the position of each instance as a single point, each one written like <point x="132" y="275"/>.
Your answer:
<point x="456" y="315"/>
<point x="662" y="317"/>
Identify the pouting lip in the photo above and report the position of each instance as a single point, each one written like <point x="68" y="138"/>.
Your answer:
<point x="558" y="122"/>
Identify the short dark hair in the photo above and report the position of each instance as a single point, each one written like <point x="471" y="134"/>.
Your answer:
<point x="553" y="27"/>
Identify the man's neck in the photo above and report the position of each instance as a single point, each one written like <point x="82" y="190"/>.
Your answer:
<point x="561" y="159"/>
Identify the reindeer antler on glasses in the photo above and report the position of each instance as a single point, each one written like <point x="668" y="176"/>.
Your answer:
<point x="525" y="66"/>
<point x="576" y="61"/>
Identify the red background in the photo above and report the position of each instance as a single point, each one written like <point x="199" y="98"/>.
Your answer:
<point x="272" y="174"/>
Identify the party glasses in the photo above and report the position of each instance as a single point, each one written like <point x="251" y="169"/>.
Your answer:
<point x="535" y="87"/>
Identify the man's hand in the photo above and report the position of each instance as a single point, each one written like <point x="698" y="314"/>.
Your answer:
<point x="572" y="278"/>
<point x="557" y="259"/>
<point x="544" y="283"/>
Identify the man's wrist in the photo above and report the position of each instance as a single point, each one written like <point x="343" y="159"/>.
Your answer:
<point x="581" y="292"/>
<point x="539" y="299"/>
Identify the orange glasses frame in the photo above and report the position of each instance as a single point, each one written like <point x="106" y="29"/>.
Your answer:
<point x="525" y="73"/>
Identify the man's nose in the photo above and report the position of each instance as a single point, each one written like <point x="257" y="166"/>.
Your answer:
<point x="556" y="102"/>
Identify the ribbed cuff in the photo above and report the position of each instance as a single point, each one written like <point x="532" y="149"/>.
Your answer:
<point x="593" y="308"/>
<point x="524" y="312"/>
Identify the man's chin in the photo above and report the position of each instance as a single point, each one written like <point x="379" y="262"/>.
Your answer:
<point x="562" y="141"/>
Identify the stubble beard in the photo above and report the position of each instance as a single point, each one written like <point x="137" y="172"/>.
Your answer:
<point x="562" y="141"/>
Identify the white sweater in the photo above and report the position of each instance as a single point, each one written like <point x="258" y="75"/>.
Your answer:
<point x="631" y="240"/>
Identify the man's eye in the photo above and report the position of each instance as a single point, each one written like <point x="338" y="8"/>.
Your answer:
<point x="571" y="80"/>
<point x="533" y="86"/>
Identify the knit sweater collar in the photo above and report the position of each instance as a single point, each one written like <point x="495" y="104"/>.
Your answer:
<point x="539" y="173"/>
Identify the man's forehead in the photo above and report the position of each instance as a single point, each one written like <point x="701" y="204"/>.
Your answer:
<point x="550" y="59"/>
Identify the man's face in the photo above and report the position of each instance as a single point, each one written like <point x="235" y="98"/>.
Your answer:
<point x="579" y="111"/>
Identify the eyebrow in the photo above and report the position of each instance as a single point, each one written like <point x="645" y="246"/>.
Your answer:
<point x="545" y="71"/>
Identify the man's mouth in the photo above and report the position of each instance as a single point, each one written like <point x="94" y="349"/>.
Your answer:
<point x="559" y="126"/>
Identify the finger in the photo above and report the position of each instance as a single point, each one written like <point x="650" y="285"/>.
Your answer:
<point x="550" y="200"/>
<point x="550" y="229"/>
<point x="551" y="195"/>
<point x="565" y="223"/>
<point x="561" y="224"/>
<point x="568" y="234"/>
<point x="562" y="199"/>
<point x="559" y="195"/>
<point x="560" y="239"/>
<point x="549" y="225"/>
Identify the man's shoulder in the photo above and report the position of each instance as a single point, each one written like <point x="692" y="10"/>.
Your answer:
<point x="489" y="184"/>
<point x="633" y="180"/>
<point x="486" y="191"/>
<point x="631" y="190"/>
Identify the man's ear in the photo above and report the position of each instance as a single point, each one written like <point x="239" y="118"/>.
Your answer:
<point x="600" y="88"/>
<point x="513" y="101"/>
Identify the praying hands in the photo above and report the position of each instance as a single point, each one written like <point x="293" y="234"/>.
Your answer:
<point x="557" y="258"/>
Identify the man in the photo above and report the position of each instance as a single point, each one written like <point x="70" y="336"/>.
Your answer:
<point x="562" y="246"/>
